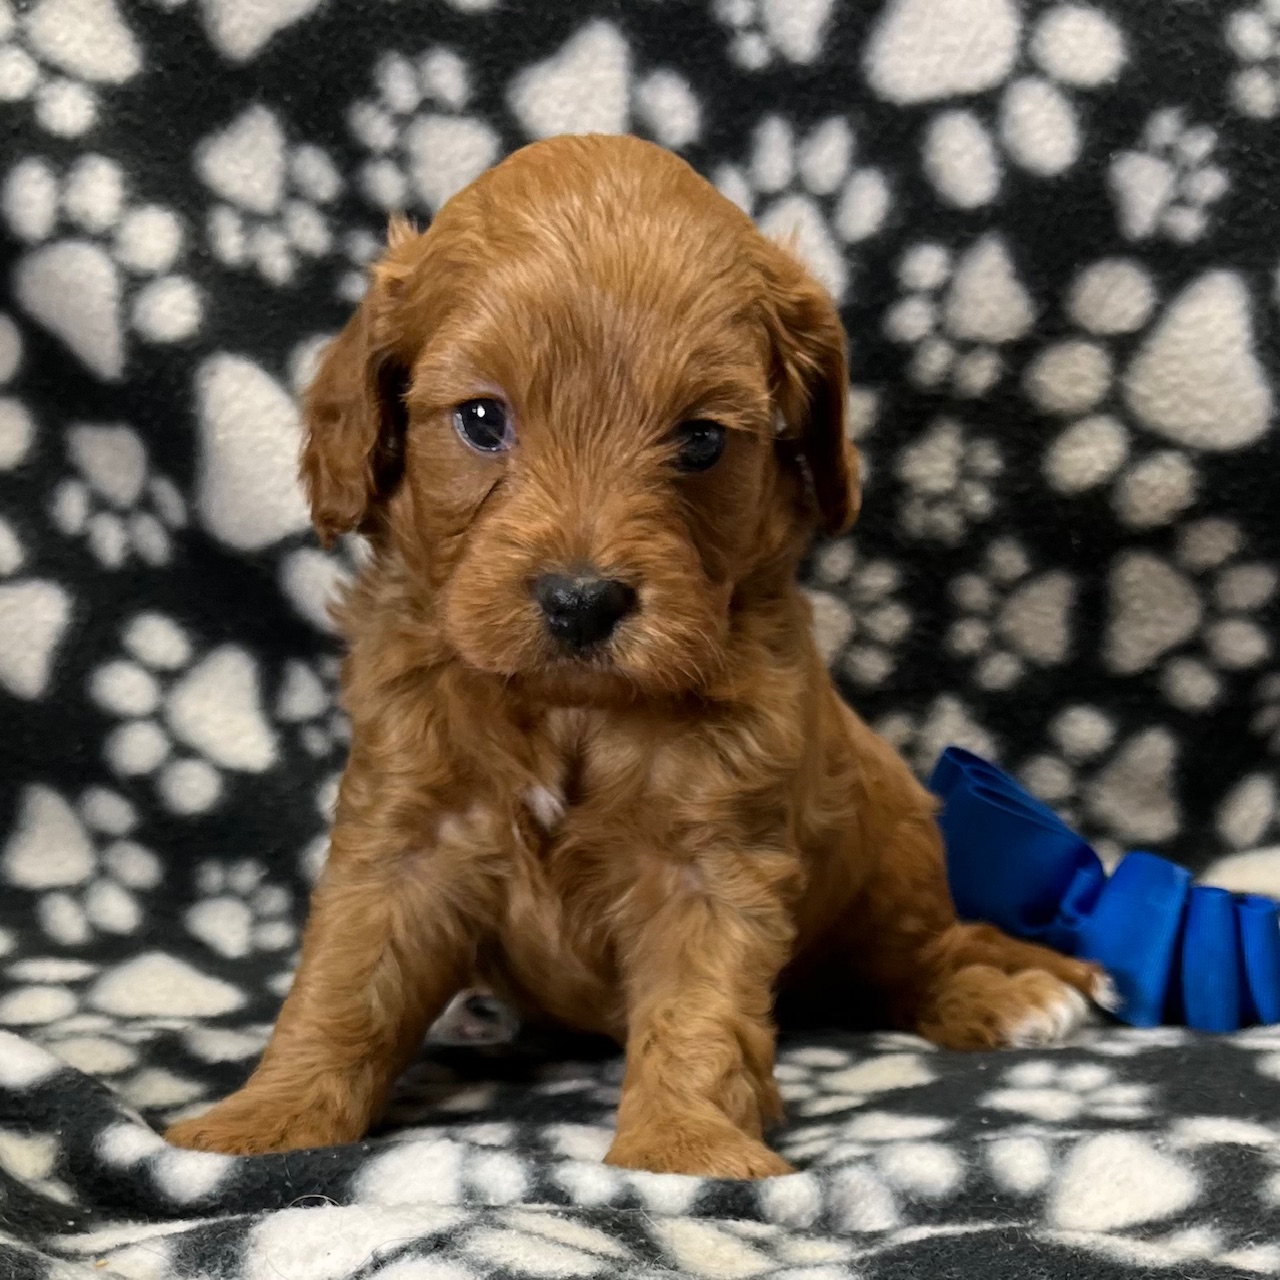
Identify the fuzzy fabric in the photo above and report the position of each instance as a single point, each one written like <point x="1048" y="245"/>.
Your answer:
<point x="1051" y="225"/>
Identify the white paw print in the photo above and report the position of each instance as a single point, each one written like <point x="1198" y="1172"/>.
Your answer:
<point x="1253" y="35"/>
<point x="1189" y="374"/>
<point x="893" y="1153"/>
<point x="99" y="264"/>
<point x="53" y="54"/>
<point x="116" y="505"/>
<point x="1246" y="818"/>
<point x="896" y="1152"/>
<point x="764" y="30"/>
<point x="422" y="147"/>
<point x="165" y="704"/>
<point x="361" y="247"/>
<point x="948" y="477"/>
<point x="858" y="622"/>
<point x="923" y="736"/>
<point x="1010" y="619"/>
<point x="957" y="314"/>
<point x="1044" y="1091"/>
<point x="17" y="433"/>
<point x="591" y="85"/>
<point x="308" y="702"/>
<point x="1168" y="185"/>
<point x="239" y="911"/>
<point x="1124" y="790"/>
<point x="276" y="197"/>
<point x="923" y="52"/>
<point x="811" y="190"/>
<point x="1194" y="620"/>
<point x="81" y="861"/>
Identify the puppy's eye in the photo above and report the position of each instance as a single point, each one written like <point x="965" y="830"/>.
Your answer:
<point x="699" y="444"/>
<point x="484" y="425"/>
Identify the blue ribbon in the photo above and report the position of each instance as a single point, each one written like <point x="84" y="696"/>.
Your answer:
<point x="1177" y="952"/>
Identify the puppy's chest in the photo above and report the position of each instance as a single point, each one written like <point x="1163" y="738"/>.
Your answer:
<point x="590" y="817"/>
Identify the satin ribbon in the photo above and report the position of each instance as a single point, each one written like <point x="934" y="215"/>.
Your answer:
<point x="1178" y="952"/>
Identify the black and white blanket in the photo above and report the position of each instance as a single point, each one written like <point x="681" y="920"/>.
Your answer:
<point x="1051" y="225"/>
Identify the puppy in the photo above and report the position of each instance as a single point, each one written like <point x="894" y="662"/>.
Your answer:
<point x="588" y="422"/>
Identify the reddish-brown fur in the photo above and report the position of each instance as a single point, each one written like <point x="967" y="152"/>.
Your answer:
<point x="648" y="842"/>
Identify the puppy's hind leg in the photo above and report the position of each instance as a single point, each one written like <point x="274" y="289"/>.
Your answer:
<point x="963" y="986"/>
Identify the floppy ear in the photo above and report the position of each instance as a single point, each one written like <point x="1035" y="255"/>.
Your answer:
<point x="354" y="415"/>
<point x="811" y="386"/>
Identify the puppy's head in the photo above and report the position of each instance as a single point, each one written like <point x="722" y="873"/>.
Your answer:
<point x="595" y="415"/>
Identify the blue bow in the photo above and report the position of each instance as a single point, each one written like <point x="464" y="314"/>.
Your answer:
<point x="1177" y="952"/>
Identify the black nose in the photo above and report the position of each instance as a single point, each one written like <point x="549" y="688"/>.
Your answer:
<point x="582" y="610"/>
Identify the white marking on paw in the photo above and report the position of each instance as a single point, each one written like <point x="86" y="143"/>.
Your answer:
<point x="1105" y="994"/>
<point x="1051" y="1023"/>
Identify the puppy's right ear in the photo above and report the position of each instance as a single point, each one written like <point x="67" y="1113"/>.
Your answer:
<point x="354" y="412"/>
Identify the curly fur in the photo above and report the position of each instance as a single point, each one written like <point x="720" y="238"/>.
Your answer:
<point x="649" y="842"/>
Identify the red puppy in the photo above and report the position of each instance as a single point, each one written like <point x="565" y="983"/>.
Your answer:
<point x="589" y="421"/>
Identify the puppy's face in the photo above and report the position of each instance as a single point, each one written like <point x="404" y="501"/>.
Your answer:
<point x="591" y="407"/>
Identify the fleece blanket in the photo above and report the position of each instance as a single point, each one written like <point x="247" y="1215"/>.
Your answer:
<point x="1051" y="226"/>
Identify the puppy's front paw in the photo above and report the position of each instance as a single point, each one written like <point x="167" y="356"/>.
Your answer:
<point x="246" y="1125"/>
<point x="705" y="1151"/>
<point x="979" y="1007"/>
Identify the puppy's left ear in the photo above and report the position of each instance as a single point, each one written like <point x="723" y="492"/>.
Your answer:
<point x="811" y="385"/>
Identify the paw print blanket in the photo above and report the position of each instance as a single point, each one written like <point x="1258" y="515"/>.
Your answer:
<point x="1050" y="225"/>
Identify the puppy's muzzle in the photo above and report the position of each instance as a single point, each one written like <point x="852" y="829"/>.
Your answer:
<point x="582" y="610"/>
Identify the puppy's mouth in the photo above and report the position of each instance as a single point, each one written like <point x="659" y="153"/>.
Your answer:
<point x="578" y="681"/>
